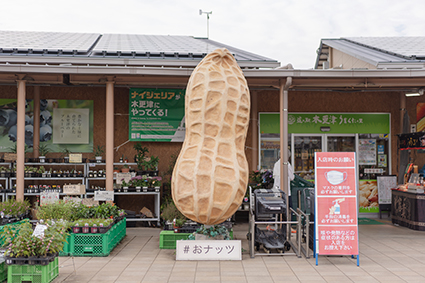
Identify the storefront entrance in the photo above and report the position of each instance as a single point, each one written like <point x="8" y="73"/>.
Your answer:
<point x="366" y="134"/>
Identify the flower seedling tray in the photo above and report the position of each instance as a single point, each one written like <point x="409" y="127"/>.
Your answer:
<point x="90" y="229"/>
<point x="33" y="273"/>
<point x="45" y="260"/>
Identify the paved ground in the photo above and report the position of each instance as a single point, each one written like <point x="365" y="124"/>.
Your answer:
<point x="387" y="254"/>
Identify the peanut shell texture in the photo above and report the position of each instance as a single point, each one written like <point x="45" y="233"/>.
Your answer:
<point x="210" y="177"/>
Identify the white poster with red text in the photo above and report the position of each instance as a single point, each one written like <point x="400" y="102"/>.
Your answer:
<point x="336" y="206"/>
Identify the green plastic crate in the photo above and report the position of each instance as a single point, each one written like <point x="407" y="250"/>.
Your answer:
<point x="97" y="244"/>
<point x="33" y="273"/>
<point x="89" y="244"/>
<point x="3" y="271"/>
<point x="167" y="239"/>
<point x="65" y="250"/>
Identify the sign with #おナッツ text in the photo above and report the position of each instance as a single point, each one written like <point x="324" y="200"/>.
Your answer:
<point x="208" y="250"/>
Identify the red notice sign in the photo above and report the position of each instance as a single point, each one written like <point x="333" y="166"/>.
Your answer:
<point x="336" y="203"/>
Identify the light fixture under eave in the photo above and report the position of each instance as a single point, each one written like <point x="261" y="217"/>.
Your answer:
<point x="420" y="92"/>
<point x="412" y="94"/>
<point x="325" y="129"/>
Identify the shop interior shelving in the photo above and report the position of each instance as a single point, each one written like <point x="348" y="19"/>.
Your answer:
<point x="85" y="179"/>
<point x="95" y="180"/>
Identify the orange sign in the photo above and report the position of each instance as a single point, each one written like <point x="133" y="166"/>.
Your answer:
<point x="336" y="203"/>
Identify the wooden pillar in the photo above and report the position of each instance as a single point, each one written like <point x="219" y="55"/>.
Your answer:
<point x="109" y="135"/>
<point x="20" y="141"/>
<point x="402" y="110"/>
<point x="36" y="121"/>
<point x="254" y="127"/>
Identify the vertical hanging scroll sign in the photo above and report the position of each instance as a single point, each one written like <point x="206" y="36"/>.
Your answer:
<point x="71" y="125"/>
<point x="336" y="225"/>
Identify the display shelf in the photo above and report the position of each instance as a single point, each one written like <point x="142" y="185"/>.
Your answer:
<point x="156" y="194"/>
<point x="63" y="180"/>
<point x="6" y="196"/>
<point x="156" y="206"/>
<point x="6" y="183"/>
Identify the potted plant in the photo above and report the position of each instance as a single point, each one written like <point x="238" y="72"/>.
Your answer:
<point x="141" y="152"/>
<point x="43" y="150"/>
<point x="65" y="155"/>
<point x="99" y="150"/>
<point x="172" y="217"/>
<point x="155" y="182"/>
<point x="150" y="164"/>
<point x="125" y="169"/>
<point x="4" y="172"/>
<point x="124" y="186"/>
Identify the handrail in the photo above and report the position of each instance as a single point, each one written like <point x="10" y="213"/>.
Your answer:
<point x="306" y="250"/>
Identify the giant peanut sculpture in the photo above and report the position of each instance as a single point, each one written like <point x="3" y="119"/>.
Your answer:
<point x="211" y="173"/>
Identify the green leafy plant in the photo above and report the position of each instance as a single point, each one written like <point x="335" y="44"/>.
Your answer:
<point x="13" y="208"/>
<point x="20" y="242"/>
<point x="41" y="170"/>
<point x="43" y="149"/>
<point x="70" y="211"/>
<point x="154" y="182"/>
<point x="150" y="164"/>
<point x="212" y="232"/>
<point x="170" y="212"/>
<point x="65" y="152"/>
<point x="138" y="181"/>
<point x="14" y="148"/>
<point x="58" y="210"/>
<point x="85" y="211"/>
<point x="99" y="150"/>
<point x="141" y="152"/>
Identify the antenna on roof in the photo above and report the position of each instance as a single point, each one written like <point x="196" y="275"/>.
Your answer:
<point x="208" y="20"/>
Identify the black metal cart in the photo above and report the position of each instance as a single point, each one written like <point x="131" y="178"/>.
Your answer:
<point x="269" y="225"/>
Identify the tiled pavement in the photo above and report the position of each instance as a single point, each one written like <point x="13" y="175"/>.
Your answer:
<point x="387" y="254"/>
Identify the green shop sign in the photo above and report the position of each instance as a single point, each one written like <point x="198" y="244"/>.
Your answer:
<point x="156" y="115"/>
<point x="338" y="123"/>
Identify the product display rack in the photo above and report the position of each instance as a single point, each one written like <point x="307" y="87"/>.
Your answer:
<point x="5" y="179"/>
<point x="61" y="180"/>
<point x="95" y="164"/>
<point x="85" y="179"/>
<point x="155" y="193"/>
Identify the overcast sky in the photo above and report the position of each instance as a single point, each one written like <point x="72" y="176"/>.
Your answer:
<point x="285" y="30"/>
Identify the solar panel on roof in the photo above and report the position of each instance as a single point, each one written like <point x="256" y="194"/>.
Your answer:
<point x="47" y="41"/>
<point x="91" y="45"/>
<point x="407" y="46"/>
<point x="154" y="44"/>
